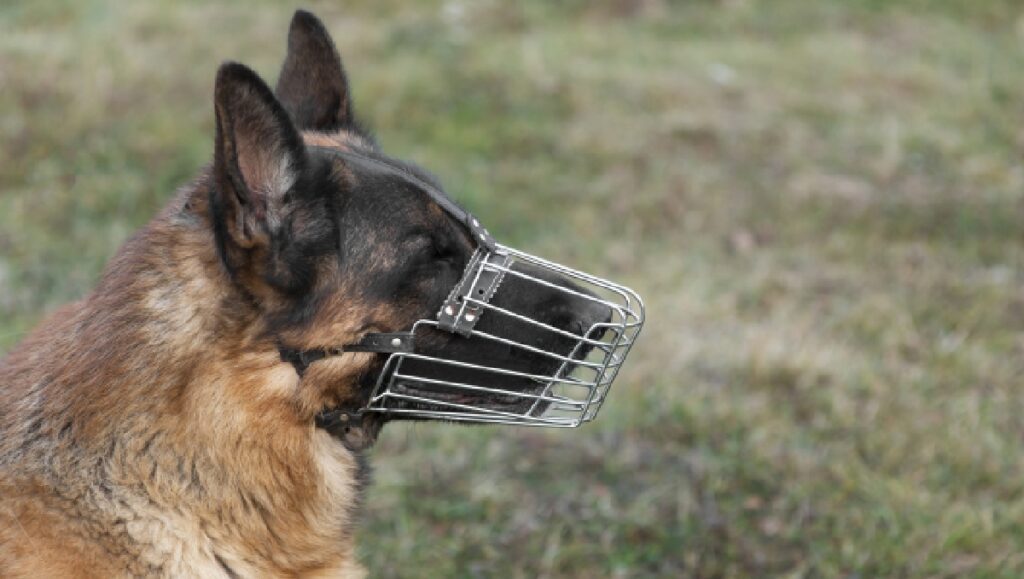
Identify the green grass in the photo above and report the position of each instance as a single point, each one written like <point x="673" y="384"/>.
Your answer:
<point x="821" y="202"/>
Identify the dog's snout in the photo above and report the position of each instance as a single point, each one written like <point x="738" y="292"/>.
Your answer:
<point x="593" y="318"/>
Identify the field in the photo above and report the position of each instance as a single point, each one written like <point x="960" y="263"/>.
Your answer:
<point x="822" y="203"/>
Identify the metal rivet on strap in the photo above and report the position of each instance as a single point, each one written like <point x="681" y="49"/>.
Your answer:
<point x="449" y="310"/>
<point x="396" y="342"/>
<point x="470" y="317"/>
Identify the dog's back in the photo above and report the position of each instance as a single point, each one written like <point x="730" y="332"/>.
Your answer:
<point x="73" y="404"/>
<point x="34" y="528"/>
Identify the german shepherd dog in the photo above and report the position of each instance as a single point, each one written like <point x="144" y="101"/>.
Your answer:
<point x="154" y="429"/>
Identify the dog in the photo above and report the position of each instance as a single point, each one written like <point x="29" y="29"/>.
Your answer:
<point x="154" y="428"/>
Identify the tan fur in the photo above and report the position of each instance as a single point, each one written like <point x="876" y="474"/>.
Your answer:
<point x="331" y="140"/>
<point x="149" y="429"/>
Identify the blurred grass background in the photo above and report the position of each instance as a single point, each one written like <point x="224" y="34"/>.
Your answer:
<point x="821" y="202"/>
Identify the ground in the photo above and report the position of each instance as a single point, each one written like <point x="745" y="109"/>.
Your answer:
<point x="820" y="201"/>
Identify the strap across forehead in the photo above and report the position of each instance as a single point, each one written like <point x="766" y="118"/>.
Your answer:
<point x="479" y="233"/>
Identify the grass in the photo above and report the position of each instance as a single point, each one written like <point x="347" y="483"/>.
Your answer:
<point x="821" y="203"/>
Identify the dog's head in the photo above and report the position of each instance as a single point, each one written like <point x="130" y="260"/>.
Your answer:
<point x="330" y="250"/>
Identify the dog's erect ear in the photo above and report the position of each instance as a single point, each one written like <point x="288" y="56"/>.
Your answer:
<point x="258" y="156"/>
<point x="312" y="85"/>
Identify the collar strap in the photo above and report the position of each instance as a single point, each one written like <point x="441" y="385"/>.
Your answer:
<point x="379" y="343"/>
<point x="337" y="421"/>
<point x="351" y="428"/>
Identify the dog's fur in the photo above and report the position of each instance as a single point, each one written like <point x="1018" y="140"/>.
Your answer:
<point x="152" y="428"/>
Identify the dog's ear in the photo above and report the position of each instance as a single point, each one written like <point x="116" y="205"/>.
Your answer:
<point x="312" y="85"/>
<point x="258" y="156"/>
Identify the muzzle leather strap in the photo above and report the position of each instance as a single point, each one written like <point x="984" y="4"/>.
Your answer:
<point x="379" y="343"/>
<point x="479" y="232"/>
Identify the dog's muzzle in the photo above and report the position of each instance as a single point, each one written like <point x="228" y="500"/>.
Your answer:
<point x="585" y="359"/>
<point x="581" y="359"/>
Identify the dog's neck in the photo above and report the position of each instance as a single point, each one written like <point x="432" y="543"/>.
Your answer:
<point x="211" y="427"/>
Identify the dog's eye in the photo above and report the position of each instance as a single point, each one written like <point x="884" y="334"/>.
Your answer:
<point x="444" y="251"/>
<point x="427" y="249"/>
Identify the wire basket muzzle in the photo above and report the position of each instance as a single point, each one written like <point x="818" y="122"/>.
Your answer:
<point x="552" y="371"/>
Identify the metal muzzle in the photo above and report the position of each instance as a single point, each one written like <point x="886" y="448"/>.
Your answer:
<point x="583" y="364"/>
